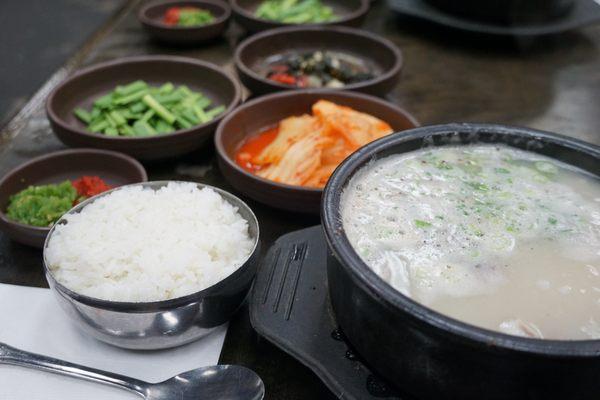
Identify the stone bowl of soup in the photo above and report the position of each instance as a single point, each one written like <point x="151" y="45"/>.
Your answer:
<point x="465" y="261"/>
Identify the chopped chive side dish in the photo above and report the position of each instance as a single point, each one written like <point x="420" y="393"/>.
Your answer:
<point x="41" y="205"/>
<point x="140" y="110"/>
<point x="295" y="11"/>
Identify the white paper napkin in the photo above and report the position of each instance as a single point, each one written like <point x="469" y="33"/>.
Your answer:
<point x="31" y="320"/>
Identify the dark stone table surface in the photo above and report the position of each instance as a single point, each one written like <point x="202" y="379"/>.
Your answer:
<point x="550" y="83"/>
<point x="37" y="37"/>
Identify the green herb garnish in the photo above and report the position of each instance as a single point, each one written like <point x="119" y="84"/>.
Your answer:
<point x="422" y="224"/>
<point x="482" y="187"/>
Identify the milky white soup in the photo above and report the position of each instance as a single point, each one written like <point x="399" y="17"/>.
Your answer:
<point x="490" y="235"/>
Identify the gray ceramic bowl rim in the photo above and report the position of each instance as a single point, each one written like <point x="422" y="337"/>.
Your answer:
<point x="142" y="17"/>
<point x="373" y="284"/>
<point x="350" y="32"/>
<point x="364" y="7"/>
<point x="150" y="306"/>
<point x="140" y="168"/>
<point x="139" y="59"/>
<point x="291" y="93"/>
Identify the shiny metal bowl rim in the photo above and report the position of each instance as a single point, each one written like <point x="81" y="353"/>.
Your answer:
<point x="161" y="305"/>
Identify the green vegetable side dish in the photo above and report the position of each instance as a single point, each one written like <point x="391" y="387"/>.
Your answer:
<point x="295" y="11"/>
<point x="195" y="18"/>
<point x="41" y="205"/>
<point x="140" y="110"/>
<point x="187" y="17"/>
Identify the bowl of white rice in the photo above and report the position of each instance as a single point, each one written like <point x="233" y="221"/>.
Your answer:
<point x="153" y="265"/>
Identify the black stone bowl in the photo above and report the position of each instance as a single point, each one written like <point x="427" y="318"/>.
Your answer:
<point x="431" y="355"/>
<point x="505" y="11"/>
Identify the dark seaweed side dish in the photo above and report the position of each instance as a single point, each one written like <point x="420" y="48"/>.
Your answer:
<point x="318" y="69"/>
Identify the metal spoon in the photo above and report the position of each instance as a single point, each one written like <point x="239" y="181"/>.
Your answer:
<point x="229" y="382"/>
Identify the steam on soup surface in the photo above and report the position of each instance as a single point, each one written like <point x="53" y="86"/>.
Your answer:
<point x="494" y="236"/>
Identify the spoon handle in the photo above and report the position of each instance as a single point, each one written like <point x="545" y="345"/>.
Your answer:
<point x="12" y="356"/>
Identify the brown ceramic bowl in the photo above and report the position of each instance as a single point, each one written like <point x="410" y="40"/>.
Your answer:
<point x="85" y="86"/>
<point x="264" y="112"/>
<point x="114" y="168"/>
<point x="151" y="17"/>
<point x="349" y="12"/>
<point x="253" y="55"/>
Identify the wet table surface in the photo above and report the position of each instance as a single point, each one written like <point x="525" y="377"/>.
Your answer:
<point x="550" y="83"/>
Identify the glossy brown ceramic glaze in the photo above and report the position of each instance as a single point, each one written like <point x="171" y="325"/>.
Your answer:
<point x="114" y="168"/>
<point x="349" y="13"/>
<point x="151" y="17"/>
<point x="267" y="111"/>
<point x="85" y="86"/>
<point x="379" y="54"/>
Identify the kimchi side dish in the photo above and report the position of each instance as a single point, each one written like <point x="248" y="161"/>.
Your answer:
<point x="305" y="150"/>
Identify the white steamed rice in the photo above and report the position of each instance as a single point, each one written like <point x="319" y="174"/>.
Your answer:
<point x="137" y="244"/>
